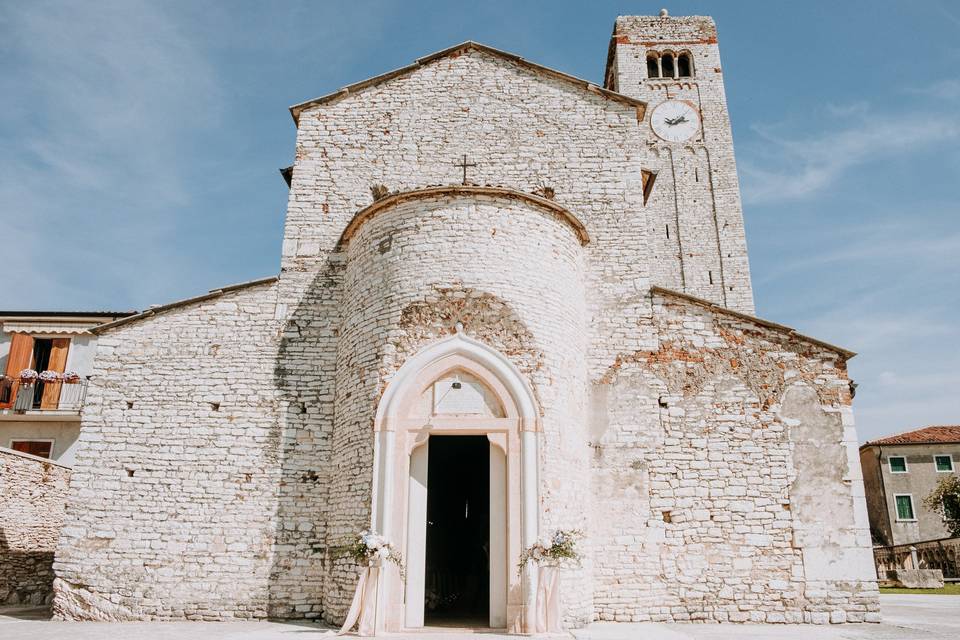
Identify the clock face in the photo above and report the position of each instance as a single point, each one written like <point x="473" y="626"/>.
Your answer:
<point x="675" y="121"/>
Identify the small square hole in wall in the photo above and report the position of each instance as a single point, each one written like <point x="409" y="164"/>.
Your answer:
<point x="667" y="517"/>
<point x="129" y="404"/>
<point x="130" y="473"/>
<point x="215" y="406"/>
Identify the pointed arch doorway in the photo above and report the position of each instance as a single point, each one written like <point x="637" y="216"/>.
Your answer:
<point x="456" y="430"/>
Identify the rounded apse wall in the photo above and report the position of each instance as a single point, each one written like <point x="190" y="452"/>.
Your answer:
<point x="513" y="270"/>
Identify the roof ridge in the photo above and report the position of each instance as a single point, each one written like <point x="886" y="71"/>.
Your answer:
<point x="212" y="293"/>
<point x="776" y="326"/>
<point x="592" y="87"/>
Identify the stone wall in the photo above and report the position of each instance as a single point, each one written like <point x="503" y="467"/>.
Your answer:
<point x="32" y="495"/>
<point x="729" y="455"/>
<point x="525" y="131"/>
<point x="434" y="271"/>
<point x="174" y="495"/>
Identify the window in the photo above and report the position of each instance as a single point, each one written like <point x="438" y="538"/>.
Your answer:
<point x="653" y="65"/>
<point x="904" y="507"/>
<point x="667" y="64"/>
<point x="41" y="448"/>
<point x="943" y="463"/>
<point x="898" y="464"/>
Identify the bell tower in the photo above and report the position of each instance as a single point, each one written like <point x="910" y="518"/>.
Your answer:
<point x="696" y="221"/>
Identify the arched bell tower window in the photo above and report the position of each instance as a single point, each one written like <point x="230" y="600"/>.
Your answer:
<point x="653" y="65"/>
<point x="667" y="68"/>
<point x="667" y="64"/>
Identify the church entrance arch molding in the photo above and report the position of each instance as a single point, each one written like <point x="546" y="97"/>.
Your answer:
<point x="456" y="386"/>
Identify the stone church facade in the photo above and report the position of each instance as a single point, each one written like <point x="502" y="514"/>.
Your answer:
<point x="478" y="245"/>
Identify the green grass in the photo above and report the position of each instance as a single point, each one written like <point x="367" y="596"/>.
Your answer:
<point x="949" y="589"/>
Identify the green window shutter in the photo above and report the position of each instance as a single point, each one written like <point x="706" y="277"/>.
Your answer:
<point x="898" y="464"/>
<point x="944" y="463"/>
<point x="904" y="508"/>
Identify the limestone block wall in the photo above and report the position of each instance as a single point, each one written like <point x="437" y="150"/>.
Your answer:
<point x="173" y="501"/>
<point x="513" y="275"/>
<point x="524" y="130"/>
<point x="728" y="452"/>
<point x="32" y="495"/>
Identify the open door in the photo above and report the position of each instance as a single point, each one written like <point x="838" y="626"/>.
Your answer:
<point x="57" y="362"/>
<point x="499" y="566"/>
<point x="457" y="573"/>
<point x="416" y="536"/>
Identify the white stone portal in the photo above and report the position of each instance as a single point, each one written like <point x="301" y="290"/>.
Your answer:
<point x="416" y="536"/>
<point x="495" y="402"/>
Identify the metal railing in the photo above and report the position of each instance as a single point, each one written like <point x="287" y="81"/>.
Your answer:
<point x="42" y="396"/>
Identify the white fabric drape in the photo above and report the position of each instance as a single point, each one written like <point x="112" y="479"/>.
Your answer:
<point x="363" y="609"/>
<point x="546" y="617"/>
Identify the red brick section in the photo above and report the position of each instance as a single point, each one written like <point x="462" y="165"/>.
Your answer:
<point x="927" y="435"/>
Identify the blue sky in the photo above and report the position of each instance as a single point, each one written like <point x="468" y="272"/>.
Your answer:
<point x="140" y="142"/>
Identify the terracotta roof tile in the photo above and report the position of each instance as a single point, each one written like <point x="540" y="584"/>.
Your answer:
<point x="926" y="435"/>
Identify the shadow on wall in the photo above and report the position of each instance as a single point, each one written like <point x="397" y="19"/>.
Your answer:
<point x="324" y="494"/>
<point x="26" y="577"/>
<point x="304" y="374"/>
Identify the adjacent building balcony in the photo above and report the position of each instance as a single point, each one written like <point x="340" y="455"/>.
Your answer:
<point x="42" y="400"/>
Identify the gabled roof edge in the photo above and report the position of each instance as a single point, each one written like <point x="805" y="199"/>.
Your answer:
<point x="891" y="440"/>
<point x="297" y="109"/>
<point x="213" y="293"/>
<point x="789" y="331"/>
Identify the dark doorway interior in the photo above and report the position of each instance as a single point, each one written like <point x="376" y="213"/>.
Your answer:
<point x="41" y="360"/>
<point x="458" y="531"/>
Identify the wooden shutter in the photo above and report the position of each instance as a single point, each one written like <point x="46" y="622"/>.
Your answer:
<point x="19" y="358"/>
<point x="58" y="363"/>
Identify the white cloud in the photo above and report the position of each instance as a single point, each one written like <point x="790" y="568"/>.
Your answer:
<point x="798" y="166"/>
<point x="883" y="246"/>
<point x="887" y="379"/>
<point x="948" y="89"/>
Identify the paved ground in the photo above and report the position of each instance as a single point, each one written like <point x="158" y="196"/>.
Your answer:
<point x="906" y="617"/>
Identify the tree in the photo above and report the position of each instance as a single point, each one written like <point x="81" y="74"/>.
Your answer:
<point x="945" y="500"/>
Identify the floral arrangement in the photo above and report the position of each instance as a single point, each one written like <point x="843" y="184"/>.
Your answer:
<point x="71" y="377"/>
<point x="28" y="376"/>
<point x="561" y="546"/>
<point x="369" y="547"/>
<point x="49" y="376"/>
